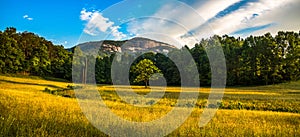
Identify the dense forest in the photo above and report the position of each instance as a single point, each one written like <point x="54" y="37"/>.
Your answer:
<point x="255" y="60"/>
<point x="28" y="54"/>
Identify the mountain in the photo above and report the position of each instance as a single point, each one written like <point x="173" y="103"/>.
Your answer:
<point x="133" y="45"/>
<point x="143" y="45"/>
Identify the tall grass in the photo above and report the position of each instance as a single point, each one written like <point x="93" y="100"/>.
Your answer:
<point x="25" y="110"/>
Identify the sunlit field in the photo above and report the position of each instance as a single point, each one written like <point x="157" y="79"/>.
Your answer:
<point x="33" y="106"/>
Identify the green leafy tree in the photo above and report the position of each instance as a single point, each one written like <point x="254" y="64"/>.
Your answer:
<point x="255" y="60"/>
<point x="29" y="54"/>
<point x="145" y="70"/>
<point x="168" y="68"/>
<point x="103" y="69"/>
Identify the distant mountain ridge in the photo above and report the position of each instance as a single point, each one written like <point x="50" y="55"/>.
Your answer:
<point x="134" y="45"/>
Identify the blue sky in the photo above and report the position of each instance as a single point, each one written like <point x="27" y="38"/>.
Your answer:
<point x="182" y="22"/>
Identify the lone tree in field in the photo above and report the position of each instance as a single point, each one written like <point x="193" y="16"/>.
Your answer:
<point x="145" y="70"/>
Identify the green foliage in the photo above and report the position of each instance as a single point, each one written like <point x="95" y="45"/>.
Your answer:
<point x="255" y="60"/>
<point x="103" y="69"/>
<point x="64" y="92"/>
<point x="145" y="70"/>
<point x="26" y="53"/>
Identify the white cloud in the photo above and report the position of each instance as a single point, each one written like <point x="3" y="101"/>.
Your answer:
<point x="286" y="17"/>
<point x="117" y="34"/>
<point x="157" y="28"/>
<point x="85" y="15"/>
<point x="166" y="25"/>
<point x="99" y="24"/>
<point x="179" y="21"/>
<point x="27" y="17"/>
<point x="174" y="23"/>
<point x="211" y="8"/>
<point x="281" y="13"/>
<point x="243" y="17"/>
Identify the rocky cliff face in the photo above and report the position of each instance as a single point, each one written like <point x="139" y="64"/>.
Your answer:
<point x="110" y="48"/>
<point x="134" y="45"/>
<point x="143" y="45"/>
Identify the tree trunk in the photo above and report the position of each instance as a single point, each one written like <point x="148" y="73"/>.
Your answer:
<point x="146" y="86"/>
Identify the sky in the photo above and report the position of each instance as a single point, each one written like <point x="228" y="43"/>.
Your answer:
<point x="184" y="22"/>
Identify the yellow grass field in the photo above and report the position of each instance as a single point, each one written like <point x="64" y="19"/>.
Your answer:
<point x="26" y="110"/>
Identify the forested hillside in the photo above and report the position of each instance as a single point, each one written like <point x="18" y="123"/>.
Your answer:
<point x="255" y="60"/>
<point x="29" y="54"/>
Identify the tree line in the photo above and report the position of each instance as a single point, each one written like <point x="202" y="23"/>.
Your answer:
<point x="255" y="60"/>
<point x="29" y="54"/>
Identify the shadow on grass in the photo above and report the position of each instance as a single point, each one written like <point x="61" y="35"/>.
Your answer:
<point x="36" y="77"/>
<point x="55" y="79"/>
<point x="167" y="94"/>
<point x="292" y="85"/>
<point x="26" y="83"/>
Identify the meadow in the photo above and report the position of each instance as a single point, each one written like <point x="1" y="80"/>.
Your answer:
<point x="32" y="106"/>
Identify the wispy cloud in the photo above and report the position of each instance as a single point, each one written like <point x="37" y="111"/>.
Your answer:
<point x="97" y="23"/>
<point x="181" y="24"/>
<point x="234" y="7"/>
<point x="27" y="17"/>
<point x="285" y="16"/>
<point x="177" y="21"/>
<point x="244" y="18"/>
<point x="248" y="31"/>
<point x="255" y="17"/>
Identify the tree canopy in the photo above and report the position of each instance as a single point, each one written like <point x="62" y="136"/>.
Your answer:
<point x="27" y="53"/>
<point x="255" y="60"/>
<point x="145" y="70"/>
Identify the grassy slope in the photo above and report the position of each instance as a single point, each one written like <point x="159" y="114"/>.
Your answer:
<point x="27" y="111"/>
